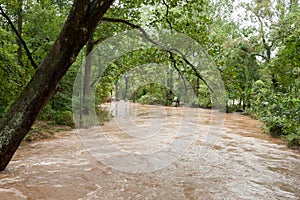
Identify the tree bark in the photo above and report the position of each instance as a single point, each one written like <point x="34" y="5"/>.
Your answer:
<point x="81" y="23"/>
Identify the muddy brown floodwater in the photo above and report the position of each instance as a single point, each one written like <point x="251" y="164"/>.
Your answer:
<point x="243" y="163"/>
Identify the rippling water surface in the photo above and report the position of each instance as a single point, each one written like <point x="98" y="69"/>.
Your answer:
<point x="239" y="163"/>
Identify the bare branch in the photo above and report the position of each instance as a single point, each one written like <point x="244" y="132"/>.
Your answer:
<point x="120" y="21"/>
<point x="35" y="66"/>
<point x="167" y="16"/>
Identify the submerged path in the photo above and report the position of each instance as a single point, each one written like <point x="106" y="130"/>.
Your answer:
<point x="240" y="163"/>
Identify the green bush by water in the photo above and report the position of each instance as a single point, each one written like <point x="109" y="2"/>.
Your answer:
<point x="280" y="113"/>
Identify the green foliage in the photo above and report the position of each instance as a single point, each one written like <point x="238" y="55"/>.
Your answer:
<point x="240" y="70"/>
<point x="41" y="23"/>
<point x="59" y="109"/>
<point x="293" y="140"/>
<point x="13" y="77"/>
<point x="59" y="117"/>
<point x="63" y="118"/>
<point x="204" y="99"/>
<point x="286" y="65"/>
<point x="279" y="112"/>
<point x="154" y="94"/>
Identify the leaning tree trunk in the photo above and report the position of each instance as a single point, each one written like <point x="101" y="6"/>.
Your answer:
<point x="82" y="21"/>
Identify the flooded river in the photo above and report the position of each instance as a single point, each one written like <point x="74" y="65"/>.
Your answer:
<point x="155" y="152"/>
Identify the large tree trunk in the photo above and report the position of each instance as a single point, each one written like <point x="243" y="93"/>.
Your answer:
<point x="82" y="21"/>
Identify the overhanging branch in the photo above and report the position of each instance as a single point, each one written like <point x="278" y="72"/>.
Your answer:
<point x="145" y="35"/>
<point x="131" y="25"/>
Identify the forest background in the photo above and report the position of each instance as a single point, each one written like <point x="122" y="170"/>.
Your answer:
<point x="254" y="44"/>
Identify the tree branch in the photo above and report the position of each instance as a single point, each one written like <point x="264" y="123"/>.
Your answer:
<point x="167" y="16"/>
<point x="257" y="54"/>
<point x="266" y="46"/>
<point x="157" y="44"/>
<point x="107" y="19"/>
<point x="131" y="25"/>
<point x="177" y="69"/>
<point x="35" y="66"/>
<point x="5" y="70"/>
<point x="98" y="41"/>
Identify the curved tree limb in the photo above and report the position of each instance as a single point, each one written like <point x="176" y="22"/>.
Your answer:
<point x="35" y="66"/>
<point x="145" y="35"/>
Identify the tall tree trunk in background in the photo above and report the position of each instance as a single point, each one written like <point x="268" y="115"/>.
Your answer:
<point x="81" y="23"/>
<point x="126" y="87"/>
<point x="197" y="90"/>
<point x="169" y="85"/>
<point x="117" y="90"/>
<point x="19" y="28"/>
<point x="87" y="76"/>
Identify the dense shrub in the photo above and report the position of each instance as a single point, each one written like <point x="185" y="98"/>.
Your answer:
<point x="58" y="111"/>
<point x="63" y="118"/>
<point x="56" y="117"/>
<point x="154" y="94"/>
<point x="279" y="112"/>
